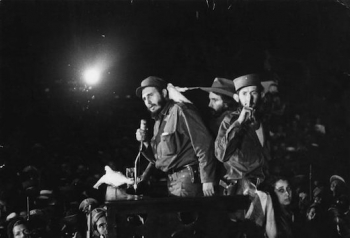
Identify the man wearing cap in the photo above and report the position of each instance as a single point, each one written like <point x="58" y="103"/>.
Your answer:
<point x="241" y="141"/>
<point x="221" y="101"/>
<point x="337" y="187"/>
<point x="181" y="145"/>
<point x="242" y="147"/>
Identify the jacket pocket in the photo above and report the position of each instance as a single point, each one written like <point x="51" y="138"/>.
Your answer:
<point x="167" y="145"/>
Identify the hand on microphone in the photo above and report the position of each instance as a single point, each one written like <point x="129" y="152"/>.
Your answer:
<point x="141" y="133"/>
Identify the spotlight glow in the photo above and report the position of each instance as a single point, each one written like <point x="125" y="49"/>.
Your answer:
<point x="92" y="76"/>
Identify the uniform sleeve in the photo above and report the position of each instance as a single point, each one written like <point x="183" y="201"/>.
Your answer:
<point x="202" y="143"/>
<point x="148" y="154"/>
<point x="270" y="227"/>
<point x="228" y="138"/>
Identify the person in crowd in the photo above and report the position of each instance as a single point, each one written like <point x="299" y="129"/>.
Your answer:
<point x="18" y="228"/>
<point x="337" y="187"/>
<point x="39" y="224"/>
<point x="99" y="222"/>
<point x="315" y="223"/>
<point x="281" y="195"/>
<point x="72" y="225"/>
<point x="339" y="217"/>
<point x="181" y="145"/>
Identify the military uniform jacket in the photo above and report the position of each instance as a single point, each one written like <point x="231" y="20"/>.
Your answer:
<point x="238" y="147"/>
<point x="180" y="138"/>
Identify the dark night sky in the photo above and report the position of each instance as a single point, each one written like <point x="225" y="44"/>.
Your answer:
<point x="50" y="41"/>
<point x="45" y="46"/>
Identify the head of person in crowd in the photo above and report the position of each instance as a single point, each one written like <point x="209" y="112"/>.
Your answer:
<point x="18" y="228"/>
<point x="3" y="208"/>
<point x="220" y="96"/>
<point x="87" y="205"/>
<point x="99" y="221"/>
<point x="337" y="185"/>
<point x="317" y="195"/>
<point x="248" y="91"/>
<point x="153" y="91"/>
<point x="282" y="191"/>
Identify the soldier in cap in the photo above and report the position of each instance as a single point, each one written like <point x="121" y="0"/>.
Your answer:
<point x="181" y="145"/>
<point x="241" y="141"/>
<point x="241" y="145"/>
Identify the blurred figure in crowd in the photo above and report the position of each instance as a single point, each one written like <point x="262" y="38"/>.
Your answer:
<point x="337" y="187"/>
<point x="315" y="224"/>
<point x="99" y="222"/>
<point x="18" y="228"/>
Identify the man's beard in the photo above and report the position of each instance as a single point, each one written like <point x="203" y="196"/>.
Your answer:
<point x="156" y="113"/>
<point x="218" y="112"/>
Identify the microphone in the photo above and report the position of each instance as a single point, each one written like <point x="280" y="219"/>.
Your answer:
<point x="143" y="125"/>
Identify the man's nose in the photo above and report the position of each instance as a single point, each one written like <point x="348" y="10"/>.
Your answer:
<point x="249" y="100"/>
<point x="147" y="101"/>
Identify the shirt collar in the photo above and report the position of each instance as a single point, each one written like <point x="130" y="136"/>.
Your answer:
<point x="165" y="109"/>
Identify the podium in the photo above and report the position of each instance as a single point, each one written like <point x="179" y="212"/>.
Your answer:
<point x="173" y="217"/>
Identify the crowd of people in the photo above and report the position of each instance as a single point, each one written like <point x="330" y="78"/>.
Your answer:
<point x="250" y="145"/>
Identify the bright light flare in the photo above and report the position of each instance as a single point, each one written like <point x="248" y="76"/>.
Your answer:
<point x="92" y="76"/>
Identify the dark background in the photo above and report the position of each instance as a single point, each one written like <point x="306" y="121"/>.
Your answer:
<point x="45" y="46"/>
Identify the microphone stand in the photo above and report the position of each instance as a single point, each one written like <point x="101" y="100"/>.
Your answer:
<point x="143" y="126"/>
<point x="88" y="232"/>
<point x="135" y="165"/>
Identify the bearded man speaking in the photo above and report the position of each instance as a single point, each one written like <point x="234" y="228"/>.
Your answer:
<point x="181" y="145"/>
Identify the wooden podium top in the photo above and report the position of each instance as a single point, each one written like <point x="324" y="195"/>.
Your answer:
<point x="137" y="216"/>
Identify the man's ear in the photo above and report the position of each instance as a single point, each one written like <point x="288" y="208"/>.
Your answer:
<point x="236" y="97"/>
<point x="165" y="93"/>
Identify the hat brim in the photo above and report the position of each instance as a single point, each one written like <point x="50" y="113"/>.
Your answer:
<point x="336" y="177"/>
<point x="218" y="90"/>
<point x="139" y="91"/>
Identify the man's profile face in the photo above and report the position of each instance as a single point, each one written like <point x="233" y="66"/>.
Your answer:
<point x="216" y="104"/>
<point x="334" y="185"/>
<point x="153" y="99"/>
<point x="249" y="96"/>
